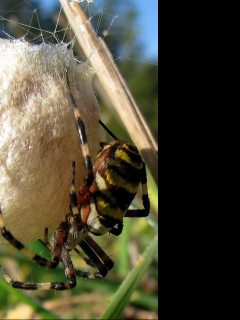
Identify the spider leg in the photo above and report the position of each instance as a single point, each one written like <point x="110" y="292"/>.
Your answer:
<point x="69" y="272"/>
<point x="46" y="243"/>
<point x="116" y="231"/>
<point x="83" y="274"/>
<point x="80" y="273"/>
<point x="73" y="193"/>
<point x="56" y="253"/>
<point x="138" y="213"/>
<point x="87" y="260"/>
<point x="74" y="210"/>
<point x="88" y="179"/>
<point x="80" y="200"/>
<point x="94" y="252"/>
<point x="96" y="258"/>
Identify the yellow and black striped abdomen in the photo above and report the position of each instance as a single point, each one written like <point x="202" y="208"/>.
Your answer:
<point x="117" y="172"/>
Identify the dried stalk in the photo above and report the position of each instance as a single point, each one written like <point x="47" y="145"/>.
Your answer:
<point x="113" y="84"/>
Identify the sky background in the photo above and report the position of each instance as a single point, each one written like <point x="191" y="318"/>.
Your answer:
<point x="147" y="23"/>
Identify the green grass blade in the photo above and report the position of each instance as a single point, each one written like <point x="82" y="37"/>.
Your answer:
<point x="30" y="301"/>
<point x="122" y="265"/>
<point x="123" y="295"/>
<point x="153" y="191"/>
<point x="148" y="301"/>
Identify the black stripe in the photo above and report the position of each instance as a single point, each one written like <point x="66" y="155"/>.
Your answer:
<point x="24" y="286"/>
<point x="72" y="280"/>
<point x="44" y="262"/>
<point x="88" y="163"/>
<point x="92" y="255"/>
<point x="9" y="237"/>
<point x="122" y="197"/>
<point x="135" y="158"/>
<point x="144" y="174"/>
<point x="116" y="231"/>
<point x="82" y="274"/>
<point x="146" y="202"/>
<point x="133" y="148"/>
<point x="73" y="198"/>
<point x="126" y="171"/>
<point x="103" y="256"/>
<point x="81" y="130"/>
<point x="64" y="285"/>
<point x="108" y="221"/>
<point x="111" y="202"/>
<point x="89" y="179"/>
<point x="72" y="99"/>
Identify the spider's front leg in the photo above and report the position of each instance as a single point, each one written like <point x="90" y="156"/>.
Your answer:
<point x="88" y="168"/>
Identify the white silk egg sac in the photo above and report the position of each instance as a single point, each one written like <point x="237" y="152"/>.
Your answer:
<point x="38" y="135"/>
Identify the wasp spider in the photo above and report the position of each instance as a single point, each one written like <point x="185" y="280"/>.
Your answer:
<point x="108" y="189"/>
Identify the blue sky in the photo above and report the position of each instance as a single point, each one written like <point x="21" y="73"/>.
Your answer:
<point x="147" y="23"/>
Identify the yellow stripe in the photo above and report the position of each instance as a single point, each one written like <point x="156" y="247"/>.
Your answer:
<point x="28" y="253"/>
<point x="113" y="162"/>
<point x="5" y="275"/>
<point x="87" y="152"/>
<point x="72" y="188"/>
<point x="44" y="286"/>
<point x="105" y="148"/>
<point x="103" y="207"/>
<point x="76" y="113"/>
<point x="114" y="179"/>
<point x="102" y="186"/>
<point x="75" y="210"/>
<point x="126" y="146"/>
<point x="2" y="224"/>
<point x="124" y="156"/>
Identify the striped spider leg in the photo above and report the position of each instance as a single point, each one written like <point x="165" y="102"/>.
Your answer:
<point x="59" y="252"/>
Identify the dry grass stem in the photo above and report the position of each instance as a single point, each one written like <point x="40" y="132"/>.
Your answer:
<point x="113" y="84"/>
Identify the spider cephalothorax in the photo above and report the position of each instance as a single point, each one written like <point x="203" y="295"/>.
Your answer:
<point x="109" y="186"/>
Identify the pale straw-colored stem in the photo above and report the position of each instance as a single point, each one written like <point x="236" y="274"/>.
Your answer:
<point x="113" y="84"/>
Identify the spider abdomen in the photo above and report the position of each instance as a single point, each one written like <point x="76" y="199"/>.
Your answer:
<point x="117" y="172"/>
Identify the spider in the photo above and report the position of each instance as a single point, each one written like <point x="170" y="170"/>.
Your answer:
<point x="99" y="206"/>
